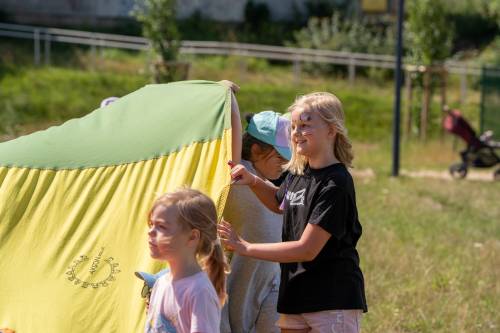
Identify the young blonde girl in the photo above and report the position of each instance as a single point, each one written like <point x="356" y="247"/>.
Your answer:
<point x="183" y="232"/>
<point x="321" y="285"/>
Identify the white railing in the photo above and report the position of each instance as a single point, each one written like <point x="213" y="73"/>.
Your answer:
<point x="291" y="54"/>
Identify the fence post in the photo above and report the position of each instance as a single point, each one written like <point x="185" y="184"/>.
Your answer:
<point x="36" y="39"/>
<point x="296" y="71"/>
<point x="352" y="71"/>
<point x="409" y="102"/>
<point x="463" y="87"/>
<point x="101" y="50"/>
<point x="425" y="103"/>
<point x="444" y="82"/>
<point x="93" y="54"/>
<point x="47" y="49"/>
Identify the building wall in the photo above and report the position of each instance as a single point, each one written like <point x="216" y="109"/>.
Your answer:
<point x="105" y="12"/>
<point x="94" y="10"/>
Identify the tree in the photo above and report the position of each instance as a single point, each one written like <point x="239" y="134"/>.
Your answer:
<point x="487" y="8"/>
<point x="429" y="32"/>
<point x="429" y="43"/>
<point x="159" y="26"/>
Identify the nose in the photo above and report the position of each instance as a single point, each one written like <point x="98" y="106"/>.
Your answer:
<point x="151" y="231"/>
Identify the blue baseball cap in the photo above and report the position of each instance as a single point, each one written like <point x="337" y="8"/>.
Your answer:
<point x="272" y="128"/>
<point x="149" y="278"/>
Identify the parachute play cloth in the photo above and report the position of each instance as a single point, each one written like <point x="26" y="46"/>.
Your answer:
<point x="74" y="202"/>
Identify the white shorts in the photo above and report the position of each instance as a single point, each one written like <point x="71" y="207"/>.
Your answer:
<point x="331" y="321"/>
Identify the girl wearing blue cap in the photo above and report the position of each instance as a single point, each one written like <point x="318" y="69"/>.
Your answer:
<point x="321" y="285"/>
<point x="252" y="285"/>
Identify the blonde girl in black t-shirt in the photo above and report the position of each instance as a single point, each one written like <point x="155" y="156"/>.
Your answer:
<point x="322" y="287"/>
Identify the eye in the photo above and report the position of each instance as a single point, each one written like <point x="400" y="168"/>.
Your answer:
<point x="303" y="126"/>
<point x="305" y="117"/>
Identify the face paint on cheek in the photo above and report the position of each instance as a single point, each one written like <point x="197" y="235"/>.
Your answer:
<point x="165" y="240"/>
<point x="307" y="132"/>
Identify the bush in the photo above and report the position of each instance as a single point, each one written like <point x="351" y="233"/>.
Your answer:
<point x="198" y="27"/>
<point x="158" y="25"/>
<point x="429" y="32"/>
<point x="326" y="8"/>
<point x="9" y="119"/>
<point x="54" y="95"/>
<point x="472" y="30"/>
<point x="35" y="98"/>
<point x="257" y="27"/>
<point x="491" y="54"/>
<point x="345" y="35"/>
<point x="337" y="34"/>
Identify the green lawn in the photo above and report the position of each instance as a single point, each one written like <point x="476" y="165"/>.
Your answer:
<point x="430" y="254"/>
<point x="430" y="248"/>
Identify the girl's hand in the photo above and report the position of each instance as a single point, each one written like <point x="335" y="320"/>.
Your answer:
<point x="230" y="239"/>
<point x="240" y="175"/>
<point x="231" y="85"/>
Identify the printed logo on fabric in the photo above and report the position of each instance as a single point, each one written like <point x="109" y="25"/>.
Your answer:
<point x="93" y="272"/>
<point x="296" y="198"/>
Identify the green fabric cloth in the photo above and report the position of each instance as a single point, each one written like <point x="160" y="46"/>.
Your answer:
<point x="120" y="128"/>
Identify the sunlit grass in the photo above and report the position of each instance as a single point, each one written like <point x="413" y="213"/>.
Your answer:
<point x="430" y="248"/>
<point x="430" y="254"/>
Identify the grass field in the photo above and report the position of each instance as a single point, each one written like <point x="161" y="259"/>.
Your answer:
<point x="30" y="97"/>
<point x="430" y="254"/>
<point x="430" y="248"/>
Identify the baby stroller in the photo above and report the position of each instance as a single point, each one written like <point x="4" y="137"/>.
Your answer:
<point x="480" y="151"/>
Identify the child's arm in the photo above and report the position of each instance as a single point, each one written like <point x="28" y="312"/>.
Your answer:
<point x="236" y="129"/>
<point x="235" y="120"/>
<point x="306" y="248"/>
<point x="265" y="191"/>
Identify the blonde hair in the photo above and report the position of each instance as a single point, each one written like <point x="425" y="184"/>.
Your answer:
<point x="197" y="211"/>
<point x="329" y="108"/>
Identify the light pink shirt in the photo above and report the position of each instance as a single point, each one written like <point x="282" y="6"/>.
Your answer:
<point x="186" y="305"/>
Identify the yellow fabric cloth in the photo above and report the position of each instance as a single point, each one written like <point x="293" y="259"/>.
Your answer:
<point x="70" y="240"/>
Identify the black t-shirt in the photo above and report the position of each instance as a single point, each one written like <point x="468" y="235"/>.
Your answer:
<point x="332" y="280"/>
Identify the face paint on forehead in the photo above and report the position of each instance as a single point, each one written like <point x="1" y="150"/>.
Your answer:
<point x="305" y="116"/>
<point x="302" y="116"/>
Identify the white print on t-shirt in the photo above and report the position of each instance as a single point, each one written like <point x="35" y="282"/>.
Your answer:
<point x="296" y="198"/>
<point x="300" y="269"/>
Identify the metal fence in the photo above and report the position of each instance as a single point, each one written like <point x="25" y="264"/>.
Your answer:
<point x="490" y="103"/>
<point x="43" y="37"/>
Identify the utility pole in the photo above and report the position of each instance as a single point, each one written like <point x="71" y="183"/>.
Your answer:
<point x="397" y="98"/>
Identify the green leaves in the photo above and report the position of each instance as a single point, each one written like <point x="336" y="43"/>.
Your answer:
<point x="429" y="32"/>
<point x="159" y="26"/>
<point x="339" y="34"/>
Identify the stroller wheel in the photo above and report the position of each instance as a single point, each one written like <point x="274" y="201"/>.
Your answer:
<point x="496" y="175"/>
<point x="458" y="171"/>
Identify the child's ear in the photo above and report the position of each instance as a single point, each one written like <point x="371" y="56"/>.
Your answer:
<point x="195" y="235"/>
<point x="256" y="152"/>
<point x="332" y="131"/>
